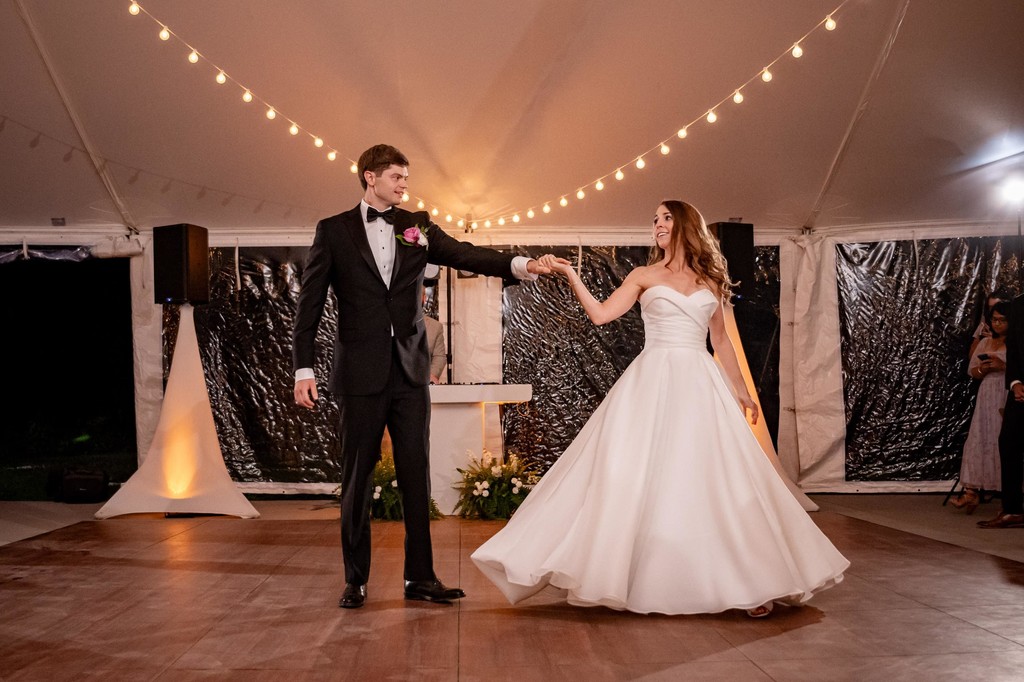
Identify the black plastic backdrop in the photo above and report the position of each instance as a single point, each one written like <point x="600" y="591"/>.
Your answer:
<point x="245" y="343"/>
<point x="550" y="343"/>
<point x="907" y="312"/>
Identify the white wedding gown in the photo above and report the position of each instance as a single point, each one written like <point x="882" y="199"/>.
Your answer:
<point x="665" y="501"/>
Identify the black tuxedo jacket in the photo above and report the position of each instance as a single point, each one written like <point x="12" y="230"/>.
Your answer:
<point x="1015" y="343"/>
<point x="340" y="260"/>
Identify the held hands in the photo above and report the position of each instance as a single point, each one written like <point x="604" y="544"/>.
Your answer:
<point x="305" y="393"/>
<point x="549" y="263"/>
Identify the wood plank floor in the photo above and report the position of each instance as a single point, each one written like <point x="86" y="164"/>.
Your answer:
<point x="145" y="597"/>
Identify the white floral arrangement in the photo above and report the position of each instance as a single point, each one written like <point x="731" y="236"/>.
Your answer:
<point x="491" y="488"/>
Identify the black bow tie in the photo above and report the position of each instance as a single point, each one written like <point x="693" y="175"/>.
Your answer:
<point x="388" y="215"/>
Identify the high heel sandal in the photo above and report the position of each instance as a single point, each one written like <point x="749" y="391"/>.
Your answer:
<point x="968" y="501"/>
<point x="762" y="611"/>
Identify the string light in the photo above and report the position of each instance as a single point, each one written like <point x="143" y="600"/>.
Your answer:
<point x="487" y="224"/>
<point x="405" y="198"/>
<point x="420" y="204"/>
<point x="353" y="168"/>
<point x="473" y="225"/>
<point x="796" y="51"/>
<point x="461" y="223"/>
<point x="448" y="217"/>
<point x="434" y="211"/>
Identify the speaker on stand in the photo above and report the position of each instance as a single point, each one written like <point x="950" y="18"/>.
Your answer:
<point x="737" y="243"/>
<point x="181" y="264"/>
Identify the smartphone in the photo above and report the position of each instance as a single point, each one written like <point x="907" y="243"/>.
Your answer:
<point x="983" y="356"/>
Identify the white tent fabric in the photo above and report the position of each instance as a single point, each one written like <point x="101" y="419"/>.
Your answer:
<point x="184" y="471"/>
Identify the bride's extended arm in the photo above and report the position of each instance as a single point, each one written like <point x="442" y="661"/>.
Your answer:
<point x="727" y="356"/>
<point x="600" y="312"/>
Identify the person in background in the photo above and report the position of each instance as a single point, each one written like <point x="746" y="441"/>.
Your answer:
<point x="438" y="350"/>
<point x="984" y="331"/>
<point x="1011" y="436"/>
<point x="979" y="469"/>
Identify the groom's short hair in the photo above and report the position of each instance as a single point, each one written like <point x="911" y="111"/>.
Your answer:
<point x="378" y="159"/>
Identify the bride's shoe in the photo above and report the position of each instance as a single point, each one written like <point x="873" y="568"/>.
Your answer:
<point x="762" y="611"/>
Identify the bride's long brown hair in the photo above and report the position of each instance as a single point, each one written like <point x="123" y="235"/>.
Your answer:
<point x="691" y="238"/>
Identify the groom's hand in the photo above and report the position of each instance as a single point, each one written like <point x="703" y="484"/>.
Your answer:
<point x="305" y="393"/>
<point x="544" y="265"/>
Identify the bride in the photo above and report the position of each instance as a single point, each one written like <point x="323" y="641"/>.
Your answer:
<point x="665" y="501"/>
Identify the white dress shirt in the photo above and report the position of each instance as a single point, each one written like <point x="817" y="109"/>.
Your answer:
<point x="381" y="237"/>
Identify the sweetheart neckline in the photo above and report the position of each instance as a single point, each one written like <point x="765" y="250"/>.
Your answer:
<point x="665" y="286"/>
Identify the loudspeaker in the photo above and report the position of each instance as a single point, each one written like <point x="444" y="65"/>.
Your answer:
<point x="737" y="243"/>
<point x="181" y="264"/>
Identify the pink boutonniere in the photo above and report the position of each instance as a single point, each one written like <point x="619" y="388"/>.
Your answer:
<point x="412" y="236"/>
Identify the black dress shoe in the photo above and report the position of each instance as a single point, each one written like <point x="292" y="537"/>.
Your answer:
<point x="353" y="596"/>
<point x="1004" y="521"/>
<point x="432" y="590"/>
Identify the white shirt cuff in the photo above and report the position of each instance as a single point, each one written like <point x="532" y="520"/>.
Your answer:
<point x="304" y="373"/>
<point x="1014" y="383"/>
<point x="519" y="270"/>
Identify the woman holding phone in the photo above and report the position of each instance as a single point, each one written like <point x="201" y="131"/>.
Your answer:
<point x="979" y="469"/>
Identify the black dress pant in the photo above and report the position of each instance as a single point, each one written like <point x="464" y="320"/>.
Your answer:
<point x="405" y="410"/>
<point x="1011" y="455"/>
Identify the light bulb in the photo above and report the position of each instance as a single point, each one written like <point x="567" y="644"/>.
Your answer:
<point x="530" y="213"/>
<point x="434" y="211"/>
<point x="681" y="134"/>
<point x="664" y="148"/>
<point x="563" y="202"/>
<point x="547" y="208"/>
<point x="487" y="223"/>
<point x="461" y="223"/>
<point x="766" y="75"/>
<point x="353" y="168"/>
<point x="580" y="194"/>
<point x="246" y="96"/>
<point x="515" y="218"/>
<point x="332" y="155"/>
<point x="501" y="221"/>
<point x="294" y="129"/>
<point x="133" y="9"/>
<point x="712" y="116"/>
<point x="405" y="198"/>
<point x="737" y="97"/>
<point x="448" y="217"/>
<point x="599" y="185"/>
<point x="420" y="204"/>
<point x="221" y="78"/>
<point x="640" y="163"/>
<point x="830" y="23"/>
<point x="193" y="56"/>
<point x="317" y="142"/>
<point x="797" y="51"/>
<point x="619" y="174"/>
<point x="164" y="33"/>
<point x="473" y="225"/>
<point x="271" y="114"/>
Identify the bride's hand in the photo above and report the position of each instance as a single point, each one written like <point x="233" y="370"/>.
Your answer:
<point x="554" y="264"/>
<point x="747" y="403"/>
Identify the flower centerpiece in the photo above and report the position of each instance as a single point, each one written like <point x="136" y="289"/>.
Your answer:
<point x="492" y="489"/>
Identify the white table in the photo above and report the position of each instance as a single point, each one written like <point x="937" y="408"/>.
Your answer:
<point x="458" y="431"/>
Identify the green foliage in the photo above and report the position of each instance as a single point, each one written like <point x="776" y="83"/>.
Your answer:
<point x="386" y="504"/>
<point x="492" y="489"/>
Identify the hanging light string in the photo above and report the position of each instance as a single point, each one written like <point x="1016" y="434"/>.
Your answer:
<point x="639" y="162"/>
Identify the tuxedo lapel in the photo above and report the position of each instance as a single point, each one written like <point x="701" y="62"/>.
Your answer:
<point x="358" y="233"/>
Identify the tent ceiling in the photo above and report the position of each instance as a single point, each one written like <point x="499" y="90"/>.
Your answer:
<point x="503" y="106"/>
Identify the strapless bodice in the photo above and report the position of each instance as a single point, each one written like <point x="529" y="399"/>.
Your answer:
<point x="676" y="320"/>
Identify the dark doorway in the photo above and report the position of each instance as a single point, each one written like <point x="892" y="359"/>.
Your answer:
<point x="68" y="391"/>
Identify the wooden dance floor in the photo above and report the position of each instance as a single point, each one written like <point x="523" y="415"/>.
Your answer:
<point x="151" y="598"/>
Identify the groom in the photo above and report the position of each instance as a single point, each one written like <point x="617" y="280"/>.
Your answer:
<point x="1011" y="436"/>
<point x="372" y="257"/>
